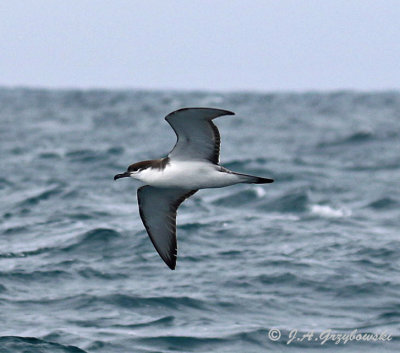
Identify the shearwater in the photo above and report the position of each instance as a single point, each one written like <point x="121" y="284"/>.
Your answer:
<point x="192" y="164"/>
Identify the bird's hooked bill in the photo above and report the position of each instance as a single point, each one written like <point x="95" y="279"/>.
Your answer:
<point x="123" y="175"/>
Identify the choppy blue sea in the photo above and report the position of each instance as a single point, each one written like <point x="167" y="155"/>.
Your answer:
<point x="314" y="253"/>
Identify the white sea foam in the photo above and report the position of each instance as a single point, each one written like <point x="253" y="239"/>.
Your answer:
<point x="260" y="191"/>
<point x="330" y="212"/>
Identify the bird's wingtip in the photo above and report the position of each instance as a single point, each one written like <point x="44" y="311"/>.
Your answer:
<point x="223" y="111"/>
<point x="171" y="265"/>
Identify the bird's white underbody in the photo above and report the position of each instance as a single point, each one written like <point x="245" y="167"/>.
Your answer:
<point x="188" y="175"/>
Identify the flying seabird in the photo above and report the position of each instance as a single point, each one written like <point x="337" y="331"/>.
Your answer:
<point x="192" y="164"/>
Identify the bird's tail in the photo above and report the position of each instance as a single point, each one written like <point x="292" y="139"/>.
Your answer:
<point x="251" y="179"/>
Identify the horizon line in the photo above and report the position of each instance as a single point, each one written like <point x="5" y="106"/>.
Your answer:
<point x="198" y="90"/>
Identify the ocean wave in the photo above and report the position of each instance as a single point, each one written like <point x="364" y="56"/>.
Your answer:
<point x="49" y="155"/>
<point x="244" y="340"/>
<point x="293" y="279"/>
<point x="14" y="344"/>
<point x="358" y="137"/>
<point x="388" y="252"/>
<point x="87" y="215"/>
<point x="179" y="343"/>
<point x="237" y="199"/>
<point x="116" y="300"/>
<point x="161" y="322"/>
<point x="91" y="273"/>
<point x="191" y="226"/>
<point x="94" y="241"/>
<point x="15" y="230"/>
<point x="41" y="196"/>
<point x="253" y="337"/>
<point x="384" y="203"/>
<point x="115" y="150"/>
<point x="128" y="301"/>
<point x="35" y="276"/>
<point x="10" y="255"/>
<point x="281" y="278"/>
<point x="292" y="201"/>
<point x="85" y="155"/>
<point x="5" y="183"/>
<point x="360" y="290"/>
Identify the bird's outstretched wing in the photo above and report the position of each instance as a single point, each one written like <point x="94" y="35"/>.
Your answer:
<point x="157" y="208"/>
<point x="197" y="137"/>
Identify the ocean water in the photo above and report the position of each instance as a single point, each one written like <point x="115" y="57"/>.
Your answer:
<point x="314" y="254"/>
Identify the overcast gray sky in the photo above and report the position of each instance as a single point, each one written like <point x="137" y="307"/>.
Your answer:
<point x="201" y="44"/>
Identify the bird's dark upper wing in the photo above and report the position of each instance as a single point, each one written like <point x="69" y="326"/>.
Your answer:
<point x="197" y="137"/>
<point x="157" y="207"/>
